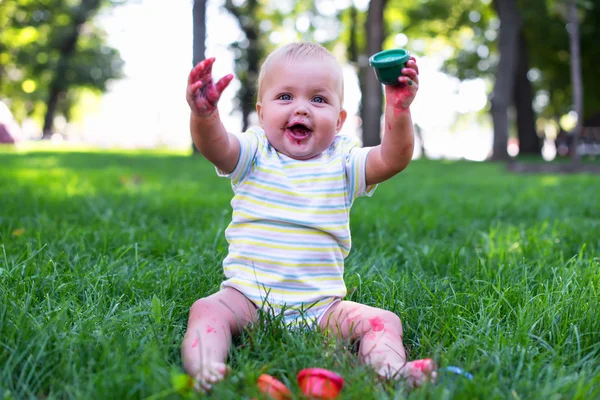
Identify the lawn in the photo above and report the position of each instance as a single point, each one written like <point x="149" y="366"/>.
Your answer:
<point x="102" y="254"/>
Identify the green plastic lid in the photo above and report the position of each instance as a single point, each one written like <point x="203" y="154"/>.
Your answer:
<point x="389" y="58"/>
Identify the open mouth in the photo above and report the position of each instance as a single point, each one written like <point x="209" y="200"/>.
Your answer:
<point x="298" y="132"/>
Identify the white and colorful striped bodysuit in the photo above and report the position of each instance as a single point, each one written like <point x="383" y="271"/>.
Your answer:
<point x="290" y="228"/>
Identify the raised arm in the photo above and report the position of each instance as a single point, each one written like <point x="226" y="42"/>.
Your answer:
<point x="208" y="133"/>
<point x="397" y="145"/>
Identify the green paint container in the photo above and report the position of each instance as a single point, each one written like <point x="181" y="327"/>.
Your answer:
<point x="388" y="65"/>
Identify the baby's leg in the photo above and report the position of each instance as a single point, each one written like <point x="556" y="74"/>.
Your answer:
<point x="212" y="322"/>
<point x="380" y="335"/>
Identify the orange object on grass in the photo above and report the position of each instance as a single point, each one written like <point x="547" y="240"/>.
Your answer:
<point x="273" y="388"/>
<point x="319" y="383"/>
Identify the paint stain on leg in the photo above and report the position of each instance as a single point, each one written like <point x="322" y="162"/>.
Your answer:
<point x="408" y="148"/>
<point x="424" y="365"/>
<point x="195" y="344"/>
<point x="210" y="329"/>
<point x="370" y="335"/>
<point x="350" y="316"/>
<point x="377" y="324"/>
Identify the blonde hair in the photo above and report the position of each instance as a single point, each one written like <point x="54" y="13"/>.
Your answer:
<point x="297" y="51"/>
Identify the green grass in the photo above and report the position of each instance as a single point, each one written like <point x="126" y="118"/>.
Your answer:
<point x="101" y="256"/>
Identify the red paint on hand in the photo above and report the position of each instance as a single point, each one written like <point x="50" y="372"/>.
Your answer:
<point x="377" y="324"/>
<point x="401" y="96"/>
<point x="202" y="93"/>
<point x="195" y="344"/>
<point x="210" y="329"/>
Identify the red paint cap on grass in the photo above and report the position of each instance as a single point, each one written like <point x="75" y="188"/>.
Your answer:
<point x="319" y="383"/>
<point x="273" y="388"/>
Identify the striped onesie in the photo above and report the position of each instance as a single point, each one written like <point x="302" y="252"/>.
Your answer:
<point x="290" y="228"/>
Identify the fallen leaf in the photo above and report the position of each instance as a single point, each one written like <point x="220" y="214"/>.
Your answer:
<point x="18" y="232"/>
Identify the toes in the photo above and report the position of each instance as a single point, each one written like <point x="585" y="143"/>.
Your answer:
<point x="418" y="372"/>
<point x="209" y="375"/>
<point x="415" y="373"/>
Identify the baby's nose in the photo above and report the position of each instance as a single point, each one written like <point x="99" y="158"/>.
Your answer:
<point x="301" y="108"/>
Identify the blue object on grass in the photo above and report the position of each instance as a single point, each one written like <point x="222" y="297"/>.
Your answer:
<point x="457" y="371"/>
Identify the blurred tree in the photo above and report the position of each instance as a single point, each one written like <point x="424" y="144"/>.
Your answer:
<point x="199" y="31"/>
<point x="372" y="93"/>
<point x="51" y="52"/>
<point x="363" y="36"/>
<point x="198" y="40"/>
<point x="573" y="29"/>
<point x="265" y="25"/>
<point x="248" y="54"/>
<point x="542" y="71"/>
<point x="529" y="141"/>
<point x="66" y="49"/>
<point x="502" y="95"/>
<point x="353" y="36"/>
<point x="569" y="11"/>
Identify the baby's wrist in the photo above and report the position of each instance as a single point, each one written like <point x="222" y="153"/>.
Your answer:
<point x="398" y="109"/>
<point x="208" y="115"/>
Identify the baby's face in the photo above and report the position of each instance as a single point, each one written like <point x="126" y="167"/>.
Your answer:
<point x="300" y="109"/>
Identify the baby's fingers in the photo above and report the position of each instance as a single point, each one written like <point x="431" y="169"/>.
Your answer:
<point x="223" y="83"/>
<point x="412" y="63"/>
<point x="411" y="73"/>
<point x="201" y="69"/>
<point x="406" y="81"/>
<point x="195" y="86"/>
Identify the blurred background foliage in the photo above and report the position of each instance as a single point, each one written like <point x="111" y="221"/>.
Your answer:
<point x="53" y="55"/>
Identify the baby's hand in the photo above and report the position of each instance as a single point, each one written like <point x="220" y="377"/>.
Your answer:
<point x="202" y="93"/>
<point x="402" y="95"/>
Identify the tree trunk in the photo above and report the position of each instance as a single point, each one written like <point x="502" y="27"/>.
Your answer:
<point x="573" y="30"/>
<point x="510" y="25"/>
<point x="419" y="135"/>
<point x="199" y="39"/>
<point x="353" y="51"/>
<point x="372" y="93"/>
<point x="529" y="141"/>
<point x="199" y="31"/>
<point x="59" y="84"/>
<point x="248" y="98"/>
<point x="253" y="54"/>
<point x="51" y="105"/>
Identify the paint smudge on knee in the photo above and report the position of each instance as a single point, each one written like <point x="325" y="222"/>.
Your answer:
<point x="422" y="365"/>
<point x="210" y="329"/>
<point x="377" y="324"/>
<point x="370" y="335"/>
<point x="195" y="344"/>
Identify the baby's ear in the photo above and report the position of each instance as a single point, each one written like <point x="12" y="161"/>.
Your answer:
<point x="260" y="114"/>
<point x="341" y="120"/>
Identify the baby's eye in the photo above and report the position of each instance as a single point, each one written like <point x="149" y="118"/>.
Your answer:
<point x="319" y="99"/>
<point x="284" y="96"/>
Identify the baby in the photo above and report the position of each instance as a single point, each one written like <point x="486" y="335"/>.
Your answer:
<point x="294" y="181"/>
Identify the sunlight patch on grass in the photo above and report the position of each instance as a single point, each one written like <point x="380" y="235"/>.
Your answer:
<point x="550" y="180"/>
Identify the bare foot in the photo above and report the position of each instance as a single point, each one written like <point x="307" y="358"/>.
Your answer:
<point x="208" y="375"/>
<point x="415" y="373"/>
